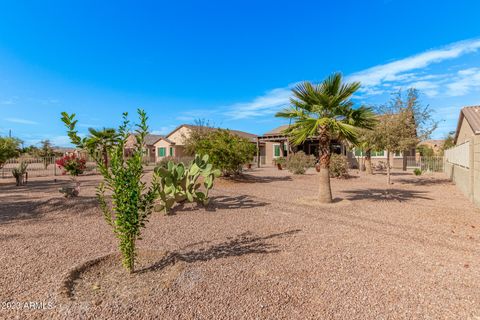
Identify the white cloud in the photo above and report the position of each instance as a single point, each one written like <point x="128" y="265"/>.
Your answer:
<point x="408" y="72"/>
<point x="266" y="104"/>
<point x="395" y="71"/>
<point x="464" y="82"/>
<point x="163" y="130"/>
<point x="20" y="121"/>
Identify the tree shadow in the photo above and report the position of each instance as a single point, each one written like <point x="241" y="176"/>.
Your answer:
<point x="248" y="178"/>
<point x="424" y="182"/>
<point x="243" y="244"/>
<point x="385" y="195"/>
<point x="234" y="202"/>
<point x="31" y="209"/>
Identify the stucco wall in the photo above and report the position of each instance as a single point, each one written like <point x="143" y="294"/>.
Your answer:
<point x="162" y="144"/>
<point x="178" y="136"/>
<point x="461" y="177"/>
<point x="465" y="133"/>
<point x="476" y="170"/>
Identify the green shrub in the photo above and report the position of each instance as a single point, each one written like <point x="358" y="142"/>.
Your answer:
<point x="132" y="201"/>
<point x="338" y="166"/>
<point x="299" y="162"/>
<point x="417" y="171"/>
<point x="227" y="151"/>
<point x="179" y="182"/>
<point x="280" y="160"/>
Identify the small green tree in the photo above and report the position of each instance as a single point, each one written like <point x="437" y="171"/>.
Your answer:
<point x="449" y="141"/>
<point x="227" y="151"/>
<point x="9" y="148"/>
<point x="99" y="141"/>
<point x="403" y="123"/>
<point x="45" y="152"/>
<point x="368" y="140"/>
<point x="132" y="200"/>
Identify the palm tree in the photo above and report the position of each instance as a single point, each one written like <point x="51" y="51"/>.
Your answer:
<point x="325" y="111"/>
<point x="99" y="141"/>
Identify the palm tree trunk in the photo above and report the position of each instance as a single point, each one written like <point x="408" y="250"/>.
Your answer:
<point x="324" y="190"/>
<point x="105" y="156"/>
<point x="368" y="161"/>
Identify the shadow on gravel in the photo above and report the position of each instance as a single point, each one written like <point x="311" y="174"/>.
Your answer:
<point x="11" y="211"/>
<point x="385" y="195"/>
<point x="42" y="186"/>
<point x="243" y="244"/>
<point x="234" y="202"/>
<point x="423" y="182"/>
<point x="247" y="178"/>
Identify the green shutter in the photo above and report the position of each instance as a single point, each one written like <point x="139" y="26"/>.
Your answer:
<point x="277" y="150"/>
<point x="161" y="152"/>
<point x="171" y="152"/>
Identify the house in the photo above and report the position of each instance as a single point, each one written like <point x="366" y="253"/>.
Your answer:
<point x="277" y="145"/>
<point x="435" y="145"/>
<point x="173" y="144"/>
<point x="150" y="140"/>
<point x="462" y="162"/>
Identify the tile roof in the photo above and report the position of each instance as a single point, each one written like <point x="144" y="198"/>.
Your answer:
<point x="277" y="131"/>
<point x="250" y="136"/>
<point x="472" y="114"/>
<point x="150" y="139"/>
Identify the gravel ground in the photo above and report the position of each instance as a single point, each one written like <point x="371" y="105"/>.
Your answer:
<point x="262" y="250"/>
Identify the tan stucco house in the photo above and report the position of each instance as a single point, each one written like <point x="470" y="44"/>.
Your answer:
<point x="277" y="145"/>
<point x="172" y="144"/>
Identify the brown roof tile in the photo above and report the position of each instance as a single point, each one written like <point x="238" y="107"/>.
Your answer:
<point x="472" y="115"/>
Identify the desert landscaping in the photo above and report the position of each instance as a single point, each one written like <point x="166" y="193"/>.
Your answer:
<point x="262" y="248"/>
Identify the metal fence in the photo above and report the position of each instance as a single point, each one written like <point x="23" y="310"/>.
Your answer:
<point x="431" y="164"/>
<point x="459" y="155"/>
<point x="39" y="167"/>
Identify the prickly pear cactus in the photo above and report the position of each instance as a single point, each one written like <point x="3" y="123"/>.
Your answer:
<point x="179" y="183"/>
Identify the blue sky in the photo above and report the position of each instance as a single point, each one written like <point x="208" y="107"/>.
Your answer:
<point x="231" y="62"/>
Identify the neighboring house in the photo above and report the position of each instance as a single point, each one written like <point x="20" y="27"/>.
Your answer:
<point x="150" y="140"/>
<point x="435" y="145"/>
<point x="462" y="162"/>
<point x="173" y="144"/>
<point x="277" y="145"/>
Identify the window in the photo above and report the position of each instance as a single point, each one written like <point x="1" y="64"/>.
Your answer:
<point x="161" y="152"/>
<point x="171" y="151"/>
<point x="378" y="153"/>
<point x="276" y="150"/>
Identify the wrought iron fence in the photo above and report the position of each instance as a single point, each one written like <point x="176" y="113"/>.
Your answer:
<point x="39" y="167"/>
<point x="429" y="164"/>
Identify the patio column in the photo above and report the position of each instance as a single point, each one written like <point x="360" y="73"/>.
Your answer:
<point x="258" y="152"/>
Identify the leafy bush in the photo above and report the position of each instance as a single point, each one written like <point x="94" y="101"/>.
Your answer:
<point x="132" y="201"/>
<point x="19" y="173"/>
<point x="179" y="182"/>
<point x="72" y="165"/>
<point x="417" y="171"/>
<point x="280" y="160"/>
<point x="299" y="162"/>
<point x="9" y="148"/>
<point x="227" y="151"/>
<point x="338" y="166"/>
